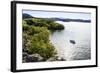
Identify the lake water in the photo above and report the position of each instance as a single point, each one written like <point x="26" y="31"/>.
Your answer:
<point x="79" y="32"/>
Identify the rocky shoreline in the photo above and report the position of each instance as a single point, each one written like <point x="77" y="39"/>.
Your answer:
<point x="37" y="58"/>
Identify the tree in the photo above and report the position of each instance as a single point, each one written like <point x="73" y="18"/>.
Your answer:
<point x="36" y="33"/>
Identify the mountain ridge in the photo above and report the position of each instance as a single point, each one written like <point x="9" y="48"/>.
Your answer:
<point x="25" y="16"/>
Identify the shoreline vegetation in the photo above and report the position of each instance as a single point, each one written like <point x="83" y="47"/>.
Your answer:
<point x="36" y="44"/>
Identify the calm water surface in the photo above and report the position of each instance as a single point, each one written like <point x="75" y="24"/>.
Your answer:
<point x="80" y="33"/>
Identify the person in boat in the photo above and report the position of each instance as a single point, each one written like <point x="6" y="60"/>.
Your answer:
<point x="72" y="41"/>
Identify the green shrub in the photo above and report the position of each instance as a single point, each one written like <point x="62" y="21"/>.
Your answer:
<point x="36" y="37"/>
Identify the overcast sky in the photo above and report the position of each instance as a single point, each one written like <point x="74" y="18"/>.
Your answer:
<point x="50" y="14"/>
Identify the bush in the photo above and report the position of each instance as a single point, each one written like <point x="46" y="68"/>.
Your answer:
<point x="40" y="44"/>
<point x="25" y="26"/>
<point x="50" y="24"/>
<point x="46" y="50"/>
<point x="36" y="37"/>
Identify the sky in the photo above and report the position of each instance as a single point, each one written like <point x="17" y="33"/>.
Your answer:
<point x="51" y="14"/>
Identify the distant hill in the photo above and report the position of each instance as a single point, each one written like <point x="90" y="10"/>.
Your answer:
<point x="68" y="20"/>
<point x="25" y="15"/>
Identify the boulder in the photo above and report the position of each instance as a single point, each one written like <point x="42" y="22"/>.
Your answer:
<point x="33" y="58"/>
<point x="61" y="59"/>
<point x="56" y="58"/>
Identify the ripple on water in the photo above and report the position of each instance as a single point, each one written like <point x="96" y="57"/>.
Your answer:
<point x="80" y="32"/>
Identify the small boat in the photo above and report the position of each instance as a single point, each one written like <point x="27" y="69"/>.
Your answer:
<point x="72" y="41"/>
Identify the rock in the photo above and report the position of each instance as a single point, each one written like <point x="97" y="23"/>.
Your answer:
<point x="25" y="54"/>
<point x="56" y="58"/>
<point x="61" y="59"/>
<point x="33" y="58"/>
<point x="38" y="56"/>
<point x="51" y="59"/>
